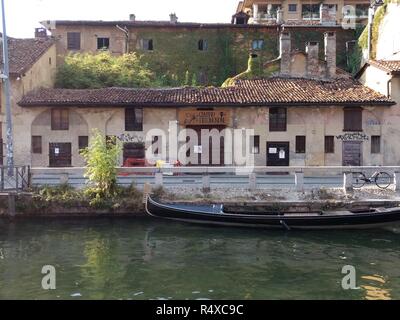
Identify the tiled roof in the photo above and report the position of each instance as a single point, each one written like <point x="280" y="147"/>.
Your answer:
<point x="268" y="92"/>
<point x="387" y="65"/>
<point x="166" y="24"/>
<point x="23" y="53"/>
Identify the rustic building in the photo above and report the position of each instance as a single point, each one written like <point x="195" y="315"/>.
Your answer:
<point x="309" y="113"/>
<point x="32" y="65"/>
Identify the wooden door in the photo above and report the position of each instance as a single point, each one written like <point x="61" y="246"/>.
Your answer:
<point x="352" y="153"/>
<point x="278" y="154"/>
<point x="211" y="161"/>
<point x="60" y="155"/>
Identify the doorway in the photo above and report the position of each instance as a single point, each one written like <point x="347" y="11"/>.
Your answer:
<point x="210" y="161"/>
<point x="60" y="155"/>
<point x="352" y="153"/>
<point x="278" y="154"/>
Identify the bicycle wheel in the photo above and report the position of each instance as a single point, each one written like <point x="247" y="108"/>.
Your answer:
<point x="383" y="180"/>
<point x="359" y="179"/>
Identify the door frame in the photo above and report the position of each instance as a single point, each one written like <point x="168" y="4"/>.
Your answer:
<point x="360" y="143"/>
<point x="288" y="152"/>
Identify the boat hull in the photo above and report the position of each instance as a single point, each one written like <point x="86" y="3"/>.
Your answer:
<point x="216" y="216"/>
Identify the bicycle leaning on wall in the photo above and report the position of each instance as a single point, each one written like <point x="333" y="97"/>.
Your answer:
<point x="382" y="179"/>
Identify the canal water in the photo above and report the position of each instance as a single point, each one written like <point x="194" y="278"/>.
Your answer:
<point x="153" y="259"/>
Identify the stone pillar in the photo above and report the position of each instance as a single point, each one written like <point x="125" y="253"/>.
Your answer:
<point x="279" y="16"/>
<point x="284" y="50"/>
<point x="206" y="182"/>
<point x="252" y="181"/>
<point x="397" y="181"/>
<point x="158" y="179"/>
<point x="330" y="53"/>
<point x="255" y="11"/>
<point x="299" y="180"/>
<point x="347" y="182"/>
<point x="312" y="50"/>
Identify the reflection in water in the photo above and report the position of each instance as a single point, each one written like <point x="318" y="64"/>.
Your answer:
<point x="377" y="290"/>
<point x="151" y="259"/>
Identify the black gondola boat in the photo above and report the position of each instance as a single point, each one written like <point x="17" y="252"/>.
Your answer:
<point x="215" y="214"/>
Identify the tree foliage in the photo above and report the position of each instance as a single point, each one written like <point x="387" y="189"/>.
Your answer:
<point x="92" y="71"/>
<point x="102" y="158"/>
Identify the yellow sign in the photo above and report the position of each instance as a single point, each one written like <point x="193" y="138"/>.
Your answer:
<point x="204" y="117"/>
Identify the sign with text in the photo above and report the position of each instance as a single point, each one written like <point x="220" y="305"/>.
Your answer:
<point x="204" y="117"/>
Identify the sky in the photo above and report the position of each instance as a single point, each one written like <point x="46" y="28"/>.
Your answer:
<point x="22" y="16"/>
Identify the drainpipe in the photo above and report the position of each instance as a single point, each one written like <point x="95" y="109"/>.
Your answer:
<point x="126" y="32"/>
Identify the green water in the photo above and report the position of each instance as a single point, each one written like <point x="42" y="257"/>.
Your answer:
<point x="152" y="259"/>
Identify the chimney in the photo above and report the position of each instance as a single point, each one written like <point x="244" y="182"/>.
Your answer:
<point x="284" y="52"/>
<point x="279" y="16"/>
<point x="40" y="33"/>
<point x="132" y="17"/>
<point x="173" y="18"/>
<point x="312" y="50"/>
<point x="330" y="53"/>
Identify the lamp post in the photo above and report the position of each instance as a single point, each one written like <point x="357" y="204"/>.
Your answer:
<point x="5" y="77"/>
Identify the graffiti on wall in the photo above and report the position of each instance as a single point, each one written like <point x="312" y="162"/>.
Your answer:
<point x="353" y="136"/>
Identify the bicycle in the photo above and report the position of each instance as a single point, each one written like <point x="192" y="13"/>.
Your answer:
<point x="382" y="179"/>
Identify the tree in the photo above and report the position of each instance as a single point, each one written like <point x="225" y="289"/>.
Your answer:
<point x="92" y="71"/>
<point x="102" y="158"/>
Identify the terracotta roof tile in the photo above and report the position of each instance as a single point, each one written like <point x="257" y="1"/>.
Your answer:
<point x="23" y="53"/>
<point x="387" y="65"/>
<point x="271" y="91"/>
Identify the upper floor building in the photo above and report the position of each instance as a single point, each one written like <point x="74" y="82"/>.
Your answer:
<point x="303" y="11"/>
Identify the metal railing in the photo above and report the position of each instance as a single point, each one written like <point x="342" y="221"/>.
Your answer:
<point x="297" y="177"/>
<point x="19" y="180"/>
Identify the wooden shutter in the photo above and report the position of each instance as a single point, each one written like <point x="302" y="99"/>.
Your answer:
<point x="59" y="119"/>
<point x="352" y="119"/>
<point x="329" y="144"/>
<point x="277" y="119"/>
<point x="73" y="40"/>
<point x="300" y="144"/>
<point x="37" y="144"/>
<point x="375" y="144"/>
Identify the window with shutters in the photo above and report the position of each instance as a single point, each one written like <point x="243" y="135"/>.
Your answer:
<point x="255" y="144"/>
<point x="134" y="119"/>
<point x="73" y="40"/>
<point x="257" y="44"/>
<point x="202" y="45"/>
<point x="147" y="44"/>
<point x="329" y="144"/>
<point x="352" y="119"/>
<point x="277" y="119"/>
<point x="83" y="142"/>
<point x="59" y="119"/>
<point x="37" y="144"/>
<point x="375" y="144"/>
<point x="300" y="144"/>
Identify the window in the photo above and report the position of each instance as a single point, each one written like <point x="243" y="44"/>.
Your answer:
<point x="352" y="119"/>
<point x="37" y="144"/>
<point x="362" y="10"/>
<point x="83" y="142"/>
<point x="103" y="43"/>
<point x="50" y="61"/>
<point x="375" y="144"/>
<point x="202" y="45"/>
<point x="133" y="119"/>
<point x="257" y="44"/>
<point x="147" y="44"/>
<point x="59" y="119"/>
<point x="255" y="144"/>
<point x="300" y="144"/>
<point x="277" y="119"/>
<point x="310" y="11"/>
<point x="329" y="144"/>
<point x="73" y="40"/>
<point x="292" y="7"/>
